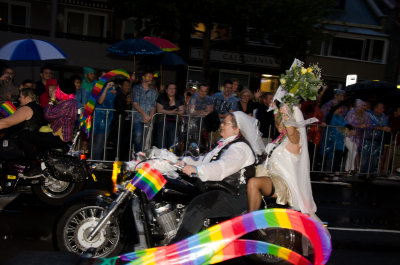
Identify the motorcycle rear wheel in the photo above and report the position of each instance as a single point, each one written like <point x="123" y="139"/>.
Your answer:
<point x="75" y="225"/>
<point x="282" y="237"/>
<point x="54" y="192"/>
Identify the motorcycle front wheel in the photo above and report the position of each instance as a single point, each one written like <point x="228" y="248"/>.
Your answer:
<point x="54" y="192"/>
<point x="78" y="221"/>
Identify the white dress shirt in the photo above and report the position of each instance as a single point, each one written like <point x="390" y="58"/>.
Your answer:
<point x="232" y="160"/>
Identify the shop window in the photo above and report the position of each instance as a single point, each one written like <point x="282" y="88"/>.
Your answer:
<point x="269" y="83"/>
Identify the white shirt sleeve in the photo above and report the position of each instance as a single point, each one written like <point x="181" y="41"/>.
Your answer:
<point x="236" y="157"/>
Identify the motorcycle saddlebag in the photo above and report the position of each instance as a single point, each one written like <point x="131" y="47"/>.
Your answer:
<point x="65" y="168"/>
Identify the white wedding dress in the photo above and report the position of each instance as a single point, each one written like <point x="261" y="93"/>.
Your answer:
<point x="290" y="173"/>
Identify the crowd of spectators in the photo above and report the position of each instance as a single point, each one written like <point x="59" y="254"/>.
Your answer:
<point x="351" y="135"/>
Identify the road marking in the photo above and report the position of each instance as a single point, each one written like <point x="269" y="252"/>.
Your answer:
<point x="365" y="230"/>
<point x="332" y="183"/>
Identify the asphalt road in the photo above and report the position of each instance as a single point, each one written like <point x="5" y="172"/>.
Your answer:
<point x="363" y="219"/>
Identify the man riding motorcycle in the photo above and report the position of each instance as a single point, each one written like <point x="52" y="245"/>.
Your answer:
<point x="27" y="119"/>
<point x="224" y="172"/>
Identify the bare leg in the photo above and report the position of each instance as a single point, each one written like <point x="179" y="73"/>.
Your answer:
<point x="256" y="187"/>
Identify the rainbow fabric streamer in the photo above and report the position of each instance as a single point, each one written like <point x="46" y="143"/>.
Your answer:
<point x="149" y="180"/>
<point x="222" y="242"/>
<point x="7" y="108"/>
<point x="85" y="121"/>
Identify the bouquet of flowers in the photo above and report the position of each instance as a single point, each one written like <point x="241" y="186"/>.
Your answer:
<point x="300" y="83"/>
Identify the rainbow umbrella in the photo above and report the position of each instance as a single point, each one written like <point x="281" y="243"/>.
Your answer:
<point x="161" y="43"/>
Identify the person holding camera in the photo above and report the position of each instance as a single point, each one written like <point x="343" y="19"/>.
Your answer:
<point x="103" y="116"/>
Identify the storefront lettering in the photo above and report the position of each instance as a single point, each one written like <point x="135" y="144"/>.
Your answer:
<point x="240" y="58"/>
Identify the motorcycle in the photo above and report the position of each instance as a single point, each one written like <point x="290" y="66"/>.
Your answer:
<point x="107" y="224"/>
<point x="62" y="172"/>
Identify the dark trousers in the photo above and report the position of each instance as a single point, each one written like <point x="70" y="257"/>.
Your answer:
<point x="211" y="204"/>
<point x="34" y="142"/>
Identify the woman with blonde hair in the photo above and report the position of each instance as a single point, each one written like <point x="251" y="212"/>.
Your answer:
<point x="246" y="103"/>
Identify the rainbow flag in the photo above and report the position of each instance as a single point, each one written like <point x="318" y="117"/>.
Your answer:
<point x="148" y="180"/>
<point x="7" y="108"/>
<point x="85" y="121"/>
<point x="222" y="241"/>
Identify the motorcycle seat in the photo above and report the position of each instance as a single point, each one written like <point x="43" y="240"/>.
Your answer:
<point x="58" y="150"/>
<point x="12" y="154"/>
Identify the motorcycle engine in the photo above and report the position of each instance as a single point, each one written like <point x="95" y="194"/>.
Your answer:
<point x="167" y="217"/>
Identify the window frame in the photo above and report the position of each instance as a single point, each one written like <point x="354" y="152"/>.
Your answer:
<point x="366" y="53"/>
<point x="27" y="15"/>
<point x="86" y="21"/>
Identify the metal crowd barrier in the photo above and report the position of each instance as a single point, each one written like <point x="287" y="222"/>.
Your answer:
<point x="377" y="152"/>
<point x="373" y="152"/>
<point x="187" y="129"/>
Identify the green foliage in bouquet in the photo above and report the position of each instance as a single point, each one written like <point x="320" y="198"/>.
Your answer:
<point x="301" y="83"/>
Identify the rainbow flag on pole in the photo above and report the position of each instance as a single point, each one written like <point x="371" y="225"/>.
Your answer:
<point x="148" y="180"/>
<point x="85" y="119"/>
<point x="7" y="108"/>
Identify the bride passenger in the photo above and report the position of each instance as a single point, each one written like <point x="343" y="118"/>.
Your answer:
<point x="286" y="172"/>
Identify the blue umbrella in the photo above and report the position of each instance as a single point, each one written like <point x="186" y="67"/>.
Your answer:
<point x="31" y="50"/>
<point x="168" y="58"/>
<point x="134" y="47"/>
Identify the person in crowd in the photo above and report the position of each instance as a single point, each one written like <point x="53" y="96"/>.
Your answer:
<point x="286" y="172"/>
<point x="225" y="101"/>
<point x="394" y="122"/>
<point x="246" y="103"/>
<point x="89" y="79"/>
<point x="77" y="80"/>
<point x="311" y="109"/>
<point x="144" y="98"/>
<point x="231" y="161"/>
<point x="333" y="139"/>
<point x="359" y="118"/>
<point x="78" y="94"/>
<point x="121" y="123"/>
<point x="51" y="84"/>
<point x="200" y="103"/>
<point x="9" y="91"/>
<point x="171" y="104"/>
<point x="103" y="116"/>
<point x="188" y="94"/>
<point x="266" y="118"/>
<point x="338" y="98"/>
<point x="28" y="118"/>
<point x="61" y="112"/>
<point x="45" y="74"/>
<point x="380" y="125"/>
<point x="236" y="87"/>
<point x="27" y="83"/>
